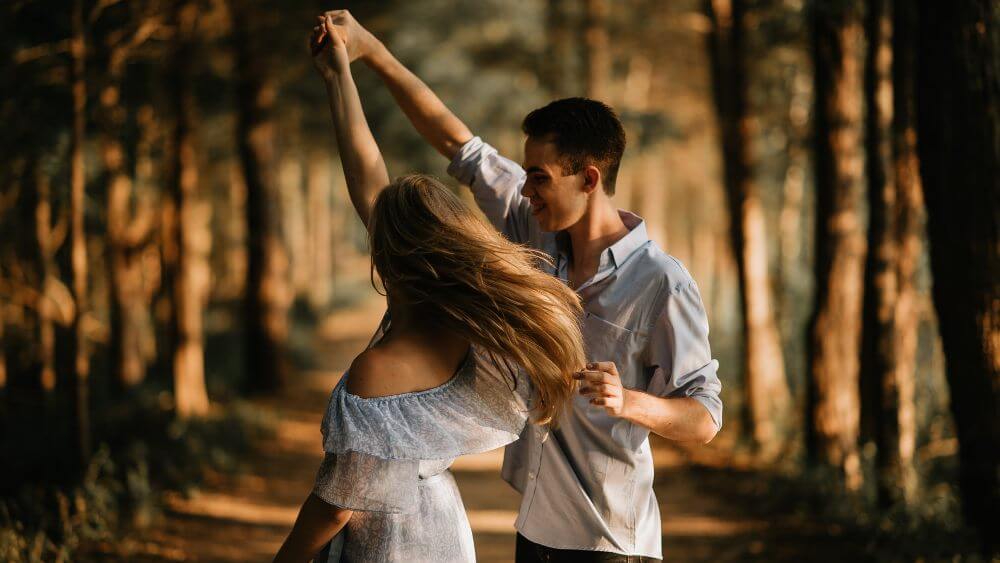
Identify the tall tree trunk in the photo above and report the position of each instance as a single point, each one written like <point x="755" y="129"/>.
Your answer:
<point x="320" y="231"/>
<point x="267" y="263"/>
<point x="233" y="284"/>
<point x="560" y="58"/>
<point x="149" y="198"/>
<point x="3" y="354"/>
<point x="190" y="289"/>
<point x="638" y="82"/>
<point x="835" y="331"/>
<point x="597" y="58"/>
<point x="890" y="303"/>
<point x="295" y="218"/>
<point x="47" y="269"/>
<point x="78" y="250"/>
<point x="126" y="236"/>
<point x="897" y="465"/>
<point x="767" y="396"/>
<point x="958" y="127"/>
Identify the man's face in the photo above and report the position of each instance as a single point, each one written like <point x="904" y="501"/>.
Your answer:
<point x="557" y="201"/>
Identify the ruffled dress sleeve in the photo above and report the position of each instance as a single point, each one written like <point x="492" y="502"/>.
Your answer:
<point x="374" y="446"/>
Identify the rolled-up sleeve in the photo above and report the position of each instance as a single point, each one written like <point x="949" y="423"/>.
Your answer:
<point x="496" y="184"/>
<point x="679" y="353"/>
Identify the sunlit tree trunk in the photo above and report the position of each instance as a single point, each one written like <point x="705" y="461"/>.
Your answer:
<point x="47" y="268"/>
<point x="560" y="56"/>
<point x="78" y="241"/>
<point x="127" y="233"/>
<point x="898" y="474"/>
<point x="635" y="98"/>
<point x="835" y="331"/>
<point x="958" y="127"/>
<point x="233" y="283"/>
<point x="3" y="353"/>
<point x="597" y="58"/>
<point x="267" y="289"/>
<point x="891" y="318"/>
<point x="190" y="283"/>
<point x="767" y="395"/>
<point x="149" y="183"/>
<point x="295" y="219"/>
<point x="320" y="231"/>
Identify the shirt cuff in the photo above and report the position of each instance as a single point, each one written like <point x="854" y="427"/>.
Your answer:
<point x="466" y="161"/>
<point x="713" y="405"/>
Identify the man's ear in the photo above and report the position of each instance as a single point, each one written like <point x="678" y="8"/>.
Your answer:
<point x="591" y="179"/>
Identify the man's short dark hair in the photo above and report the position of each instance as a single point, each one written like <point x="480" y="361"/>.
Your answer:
<point x="585" y="132"/>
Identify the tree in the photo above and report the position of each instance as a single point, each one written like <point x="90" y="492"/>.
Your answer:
<point x="319" y="220"/>
<point x="78" y="241"/>
<point x="767" y="397"/>
<point x="266" y="300"/>
<point x="597" y="53"/>
<point x="958" y="127"/>
<point x="559" y="62"/>
<point x="127" y="232"/>
<point x="894" y="241"/>
<point x="191" y="236"/>
<point x="3" y="353"/>
<point x="835" y="328"/>
<point x="46" y="247"/>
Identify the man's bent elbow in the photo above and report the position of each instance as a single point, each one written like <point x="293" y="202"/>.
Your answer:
<point x="709" y="428"/>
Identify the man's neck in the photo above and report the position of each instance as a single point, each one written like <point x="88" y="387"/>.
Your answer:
<point x="597" y="230"/>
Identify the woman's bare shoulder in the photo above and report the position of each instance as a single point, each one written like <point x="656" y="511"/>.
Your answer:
<point x="378" y="372"/>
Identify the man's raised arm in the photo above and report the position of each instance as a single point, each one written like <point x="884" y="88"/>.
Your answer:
<point x="426" y="111"/>
<point x="431" y="118"/>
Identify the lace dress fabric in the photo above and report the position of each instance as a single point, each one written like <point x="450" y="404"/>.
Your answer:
<point x="387" y="458"/>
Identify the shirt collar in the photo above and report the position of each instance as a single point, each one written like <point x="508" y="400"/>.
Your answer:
<point x="616" y="254"/>
<point x="636" y="237"/>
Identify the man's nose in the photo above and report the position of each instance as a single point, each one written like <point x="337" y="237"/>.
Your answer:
<point x="526" y="191"/>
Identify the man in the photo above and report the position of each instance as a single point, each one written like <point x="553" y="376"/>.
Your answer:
<point x="587" y="486"/>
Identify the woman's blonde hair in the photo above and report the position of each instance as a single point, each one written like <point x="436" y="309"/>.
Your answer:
<point x="432" y="253"/>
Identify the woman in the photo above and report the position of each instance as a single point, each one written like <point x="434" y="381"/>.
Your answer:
<point x="462" y="301"/>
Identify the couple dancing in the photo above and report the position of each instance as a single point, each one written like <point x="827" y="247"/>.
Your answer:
<point x="560" y="331"/>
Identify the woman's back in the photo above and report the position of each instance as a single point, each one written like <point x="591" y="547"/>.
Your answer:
<point x="392" y="434"/>
<point x="409" y="359"/>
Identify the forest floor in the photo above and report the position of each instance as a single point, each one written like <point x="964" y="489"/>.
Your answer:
<point x="711" y="509"/>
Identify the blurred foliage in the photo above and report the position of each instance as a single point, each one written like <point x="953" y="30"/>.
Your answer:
<point x="147" y="451"/>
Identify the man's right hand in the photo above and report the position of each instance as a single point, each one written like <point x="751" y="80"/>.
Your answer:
<point x="360" y="42"/>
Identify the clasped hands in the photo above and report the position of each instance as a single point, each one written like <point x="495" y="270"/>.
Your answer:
<point x="337" y="40"/>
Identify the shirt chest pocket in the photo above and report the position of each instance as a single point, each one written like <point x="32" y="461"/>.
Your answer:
<point x="608" y="342"/>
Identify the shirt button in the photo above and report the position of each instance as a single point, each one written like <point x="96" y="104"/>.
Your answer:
<point x="531" y="475"/>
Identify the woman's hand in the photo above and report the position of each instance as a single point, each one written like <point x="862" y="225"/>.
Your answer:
<point x="329" y="50"/>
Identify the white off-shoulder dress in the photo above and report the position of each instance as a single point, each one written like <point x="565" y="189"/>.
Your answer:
<point x="387" y="458"/>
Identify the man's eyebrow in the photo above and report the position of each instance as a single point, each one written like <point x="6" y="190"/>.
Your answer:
<point x="534" y="169"/>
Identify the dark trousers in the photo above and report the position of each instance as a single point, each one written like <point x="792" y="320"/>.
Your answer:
<point x="530" y="552"/>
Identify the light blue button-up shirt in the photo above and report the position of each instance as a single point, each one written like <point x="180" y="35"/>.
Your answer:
<point x="589" y="484"/>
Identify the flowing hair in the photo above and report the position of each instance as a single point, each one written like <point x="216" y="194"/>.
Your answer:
<point x="433" y="254"/>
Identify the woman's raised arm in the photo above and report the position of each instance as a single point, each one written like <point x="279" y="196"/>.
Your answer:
<point x="364" y="168"/>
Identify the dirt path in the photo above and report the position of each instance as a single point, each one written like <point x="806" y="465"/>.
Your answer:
<point x="709" y="513"/>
